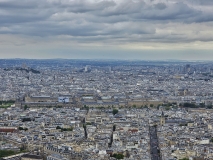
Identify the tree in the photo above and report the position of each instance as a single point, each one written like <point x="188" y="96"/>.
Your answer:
<point x="189" y="105"/>
<point x="115" y="111"/>
<point x="209" y="106"/>
<point x="118" y="156"/>
<point x="151" y="105"/>
<point x="158" y="107"/>
<point x="202" y="105"/>
<point x="26" y="119"/>
<point x="86" y="107"/>
<point x="20" y="128"/>
<point x="167" y="108"/>
<point x="22" y="148"/>
<point x="64" y="129"/>
<point x="134" y="106"/>
<point x="5" y="153"/>
<point x="58" y="127"/>
<point x="25" y="107"/>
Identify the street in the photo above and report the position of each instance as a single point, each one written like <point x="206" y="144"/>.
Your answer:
<point x="154" y="147"/>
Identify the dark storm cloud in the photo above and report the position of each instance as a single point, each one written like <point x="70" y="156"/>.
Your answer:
<point x="106" y="20"/>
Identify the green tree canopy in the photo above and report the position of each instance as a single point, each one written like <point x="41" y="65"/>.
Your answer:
<point x="118" y="156"/>
<point x="185" y="159"/>
<point x="115" y="111"/>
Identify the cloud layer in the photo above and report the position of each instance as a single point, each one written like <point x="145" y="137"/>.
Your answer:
<point x="131" y="23"/>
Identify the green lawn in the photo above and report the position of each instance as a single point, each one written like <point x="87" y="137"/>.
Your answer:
<point x="6" y="104"/>
<point x="5" y="153"/>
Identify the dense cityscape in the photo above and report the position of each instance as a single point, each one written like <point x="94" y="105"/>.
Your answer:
<point x="106" y="80"/>
<point x="84" y="109"/>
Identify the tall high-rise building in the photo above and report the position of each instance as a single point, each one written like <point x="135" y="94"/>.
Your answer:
<point x="188" y="68"/>
<point x="86" y="69"/>
<point x="110" y="69"/>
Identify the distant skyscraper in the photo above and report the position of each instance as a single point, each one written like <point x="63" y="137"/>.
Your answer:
<point x="86" y="69"/>
<point x="188" y="68"/>
<point x="110" y="69"/>
<point x="24" y="65"/>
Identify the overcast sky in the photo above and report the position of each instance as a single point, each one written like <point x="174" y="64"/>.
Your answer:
<point x="107" y="29"/>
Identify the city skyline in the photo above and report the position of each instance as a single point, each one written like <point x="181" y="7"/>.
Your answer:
<point x="107" y="29"/>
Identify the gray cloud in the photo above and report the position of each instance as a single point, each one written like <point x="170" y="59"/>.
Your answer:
<point x="109" y="21"/>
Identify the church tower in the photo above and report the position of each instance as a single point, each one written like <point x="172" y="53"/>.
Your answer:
<point x="162" y="119"/>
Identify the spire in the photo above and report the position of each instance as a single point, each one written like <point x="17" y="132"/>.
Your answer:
<point x="162" y="114"/>
<point x="162" y="119"/>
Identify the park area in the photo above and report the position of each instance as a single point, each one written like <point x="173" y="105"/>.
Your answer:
<point x="6" y="104"/>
